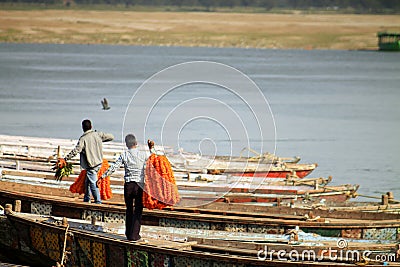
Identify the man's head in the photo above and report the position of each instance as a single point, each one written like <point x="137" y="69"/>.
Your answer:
<point x="86" y="125"/>
<point x="130" y="141"/>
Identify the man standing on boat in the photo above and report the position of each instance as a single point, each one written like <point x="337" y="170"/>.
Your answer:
<point x="134" y="161"/>
<point x="90" y="147"/>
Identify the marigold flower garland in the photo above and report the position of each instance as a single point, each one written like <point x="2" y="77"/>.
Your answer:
<point x="63" y="169"/>
<point x="160" y="188"/>
<point x="104" y="184"/>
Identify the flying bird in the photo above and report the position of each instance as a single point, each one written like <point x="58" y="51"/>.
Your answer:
<point x="104" y="103"/>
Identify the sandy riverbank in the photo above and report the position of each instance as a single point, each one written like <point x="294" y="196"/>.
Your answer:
<point x="311" y="31"/>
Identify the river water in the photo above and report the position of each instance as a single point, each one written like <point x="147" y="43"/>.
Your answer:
<point x="339" y="109"/>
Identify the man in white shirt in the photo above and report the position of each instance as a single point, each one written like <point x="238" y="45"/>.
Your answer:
<point x="134" y="161"/>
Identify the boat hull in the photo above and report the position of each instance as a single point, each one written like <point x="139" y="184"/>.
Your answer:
<point x="192" y="196"/>
<point x="272" y="174"/>
<point x="67" y="246"/>
<point x="221" y="217"/>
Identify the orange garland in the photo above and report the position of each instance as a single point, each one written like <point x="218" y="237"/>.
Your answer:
<point x="160" y="188"/>
<point x="104" y="185"/>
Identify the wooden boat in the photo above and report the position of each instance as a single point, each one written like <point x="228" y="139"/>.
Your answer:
<point x="201" y="193"/>
<point x="276" y="170"/>
<point x="259" y="157"/>
<point x="29" y="149"/>
<point x="41" y="147"/>
<point x="184" y="179"/>
<point x="217" y="216"/>
<point x="69" y="242"/>
<point x="388" y="41"/>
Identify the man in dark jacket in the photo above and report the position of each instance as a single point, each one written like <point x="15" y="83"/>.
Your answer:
<point x="90" y="147"/>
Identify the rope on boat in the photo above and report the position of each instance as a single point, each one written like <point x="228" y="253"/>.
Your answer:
<point x="351" y="192"/>
<point x="361" y="195"/>
<point x="398" y="251"/>
<point x="366" y="196"/>
<point x="1" y="207"/>
<point x="258" y="156"/>
<point x="63" y="258"/>
<point x="363" y="261"/>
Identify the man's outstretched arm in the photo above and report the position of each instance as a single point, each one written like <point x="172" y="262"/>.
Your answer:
<point x="106" y="137"/>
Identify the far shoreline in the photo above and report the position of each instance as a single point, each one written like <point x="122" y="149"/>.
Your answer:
<point x="196" y="29"/>
<point x="177" y="46"/>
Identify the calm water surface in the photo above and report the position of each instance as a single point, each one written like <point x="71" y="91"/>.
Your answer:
<point x="337" y="108"/>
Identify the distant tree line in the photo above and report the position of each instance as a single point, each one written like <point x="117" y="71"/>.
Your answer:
<point x="364" y="6"/>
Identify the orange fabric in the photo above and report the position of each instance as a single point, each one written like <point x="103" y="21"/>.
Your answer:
<point x="104" y="185"/>
<point x="79" y="185"/>
<point x="160" y="188"/>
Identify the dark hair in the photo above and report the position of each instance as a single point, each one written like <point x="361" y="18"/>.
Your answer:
<point x="130" y="140"/>
<point x="86" y="125"/>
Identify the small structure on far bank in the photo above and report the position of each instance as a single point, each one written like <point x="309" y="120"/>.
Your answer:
<point x="389" y="41"/>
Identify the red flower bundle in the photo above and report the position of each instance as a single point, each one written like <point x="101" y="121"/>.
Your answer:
<point x="104" y="184"/>
<point x="160" y="188"/>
